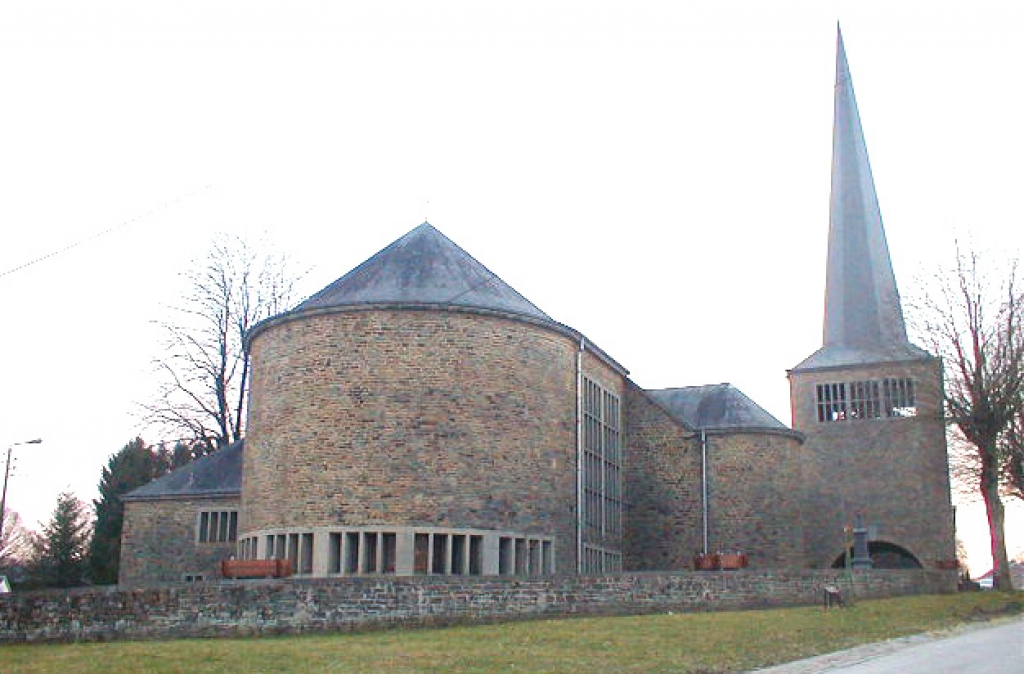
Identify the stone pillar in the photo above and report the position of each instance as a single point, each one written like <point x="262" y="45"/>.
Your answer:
<point x="861" y="556"/>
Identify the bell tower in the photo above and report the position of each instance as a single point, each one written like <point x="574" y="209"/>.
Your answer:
<point x="869" y="401"/>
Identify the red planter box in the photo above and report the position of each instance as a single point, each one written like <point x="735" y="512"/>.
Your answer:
<point x="722" y="561"/>
<point x="256" y="568"/>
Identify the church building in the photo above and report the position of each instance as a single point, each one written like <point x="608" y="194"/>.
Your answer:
<point x="419" y="416"/>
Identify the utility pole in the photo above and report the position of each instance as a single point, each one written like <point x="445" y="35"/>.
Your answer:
<point x="7" y="474"/>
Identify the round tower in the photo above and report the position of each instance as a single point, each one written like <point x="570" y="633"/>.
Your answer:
<point x="416" y="416"/>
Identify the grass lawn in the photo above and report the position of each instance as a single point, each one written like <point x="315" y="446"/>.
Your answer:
<point x="686" y="642"/>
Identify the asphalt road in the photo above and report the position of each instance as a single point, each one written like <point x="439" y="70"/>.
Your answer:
<point x="996" y="648"/>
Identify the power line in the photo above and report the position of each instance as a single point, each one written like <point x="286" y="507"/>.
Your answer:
<point x="121" y="225"/>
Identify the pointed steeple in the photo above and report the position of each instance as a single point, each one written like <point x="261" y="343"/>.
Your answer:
<point x="863" y="317"/>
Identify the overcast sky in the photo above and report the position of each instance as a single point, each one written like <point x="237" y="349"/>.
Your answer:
<point x="654" y="174"/>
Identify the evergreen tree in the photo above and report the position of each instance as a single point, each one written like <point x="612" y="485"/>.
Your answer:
<point x="59" y="558"/>
<point x="132" y="467"/>
<point x="187" y="451"/>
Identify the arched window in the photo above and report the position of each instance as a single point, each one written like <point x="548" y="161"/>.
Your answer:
<point x="884" y="555"/>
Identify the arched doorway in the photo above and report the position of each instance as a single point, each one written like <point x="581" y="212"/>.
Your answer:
<point x="885" y="556"/>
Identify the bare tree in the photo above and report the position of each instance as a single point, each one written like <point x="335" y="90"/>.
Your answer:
<point x="973" y="321"/>
<point x="205" y="370"/>
<point x="1013" y="472"/>
<point x="15" y="542"/>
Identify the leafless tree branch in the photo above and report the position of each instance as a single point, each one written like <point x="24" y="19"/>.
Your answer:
<point x="204" y="369"/>
<point x="973" y="321"/>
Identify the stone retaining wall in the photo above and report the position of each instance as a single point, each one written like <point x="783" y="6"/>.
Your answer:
<point x="246" y="608"/>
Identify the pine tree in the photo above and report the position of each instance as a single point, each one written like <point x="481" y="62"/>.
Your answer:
<point x="60" y="551"/>
<point x="132" y="467"/>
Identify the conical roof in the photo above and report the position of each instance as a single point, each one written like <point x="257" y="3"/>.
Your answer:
<point x="424" y="267"/>
<point x="863" y="317"/>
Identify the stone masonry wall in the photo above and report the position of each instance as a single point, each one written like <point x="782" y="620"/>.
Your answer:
<point x="245" y="608"/>
<point x="894" y="471"/>
<point x="758" y="497"/>
<point x="757" y="489"/>
<point x="663" y="488"/>
<point x="159" y="542"/>
<point x="413" y="417"/>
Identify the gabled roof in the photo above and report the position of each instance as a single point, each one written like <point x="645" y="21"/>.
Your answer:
<point x="716" y="407"/>
<point x="216" y="475"/>
<point x="863" y="317"/>
<point x="423" y="267"/>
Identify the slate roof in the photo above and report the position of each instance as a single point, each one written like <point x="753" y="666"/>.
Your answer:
<point x="863" y="316"/>
<point x="424" y="267"/>
<point x="215" y="475"/>
<point x="716" y="407"/>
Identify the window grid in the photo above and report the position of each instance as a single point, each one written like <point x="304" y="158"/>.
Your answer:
<point x="602" y="464"/>
<point x="379" y="552"/>
<point x="218" y="526"/>
<point x="601" y="560"/>
<point x="831" y="402"/>
<point x="899" y="397"/>
<point x="867" y="399"/>
<point x="865" y="402"/>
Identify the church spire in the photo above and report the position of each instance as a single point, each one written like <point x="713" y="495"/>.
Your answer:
<point x="863" y="317"/>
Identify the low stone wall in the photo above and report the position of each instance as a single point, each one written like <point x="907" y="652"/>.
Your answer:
<point x="243" y="608"/>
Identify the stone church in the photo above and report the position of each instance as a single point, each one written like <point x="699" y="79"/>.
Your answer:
<point x="420" y="416"/>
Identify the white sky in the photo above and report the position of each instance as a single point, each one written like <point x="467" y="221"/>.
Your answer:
<point x="654" y="174"/>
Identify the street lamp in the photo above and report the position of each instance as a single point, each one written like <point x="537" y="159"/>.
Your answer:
<point x="7" y="473"/>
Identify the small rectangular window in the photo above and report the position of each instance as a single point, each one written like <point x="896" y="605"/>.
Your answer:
<point x="440" y="554"/>
<point x="390" y="552"/>
<point x="458" y="554"/>
<point x="831" y="402"/>
<point x="476" y="558"/>
<point x="334" y="553"/>
<point x="305" y="560"/>
<point x="899" y="398"/>
<point x="421" y="553"/>
<point x="506" y="561"/>
<point x="370" y="553"/>
<point x="218" y="526"/>
<point x="351" y="553"/>
<point x="520" y="557"/>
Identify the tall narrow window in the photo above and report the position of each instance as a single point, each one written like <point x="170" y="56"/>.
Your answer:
<point x="601" y="502"/>
<point x="421" y="551"/>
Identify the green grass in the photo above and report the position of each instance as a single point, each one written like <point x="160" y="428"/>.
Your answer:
<point x="687" y="642"/>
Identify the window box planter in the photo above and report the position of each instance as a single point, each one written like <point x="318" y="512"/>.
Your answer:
<point x="730" y="561"/>
<point x="256" y="568"/>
